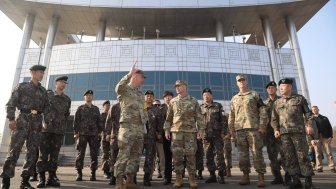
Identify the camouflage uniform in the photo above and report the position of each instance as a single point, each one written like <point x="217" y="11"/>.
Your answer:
<point x="52" y="134"/>
<point x="105" y="145"/>
<point x="213" y="143"/>
<point x="32" y="101"/>
<point x="183" y="120"/>
<point x="87" y="125"/>
<point x="132" y="120"/>
<point x="287" y="117"/>
<point x="227" y="146"/>
<point x="199" y="156"/>
<point x="247" y="115"/>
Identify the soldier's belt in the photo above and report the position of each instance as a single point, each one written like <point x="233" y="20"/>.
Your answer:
<point x="33" y="112"/>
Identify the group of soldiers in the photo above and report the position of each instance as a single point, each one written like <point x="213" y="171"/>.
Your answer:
<point x="180" y="132"/>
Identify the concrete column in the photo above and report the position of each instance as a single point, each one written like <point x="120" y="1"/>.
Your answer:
<point x="101" y="30"/>
<point x="293" y="39"/>
<point x="219" y="31"/>
<point x="268" y="37"/>
<point x="26" y="36"/>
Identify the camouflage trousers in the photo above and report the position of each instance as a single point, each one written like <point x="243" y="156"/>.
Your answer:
<point x="49" y="150"/>
<point x="199" y="155"/>
<point x="130" y="142"/>
<point x="23" y="134"/>
<point x="105" y="145"/>
<point x="213" y="147"/>
<point x="296" y="154"/>
<point x="228" y="151"/>
<point x="273" y="146"/>
<point x="184" y="145"/>
<point x="113" y="154"/>
<point x="250" y="139"/>
<point x="83" y="140"/>
<point x="150" y="153"/>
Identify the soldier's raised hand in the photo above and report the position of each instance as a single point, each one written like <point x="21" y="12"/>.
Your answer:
<point x="133" y="68"/>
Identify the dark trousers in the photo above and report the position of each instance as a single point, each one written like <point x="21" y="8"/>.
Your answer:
<point x="83" y="140"/>
<point x="168" y="158"/>
<point x="49" y="150"/>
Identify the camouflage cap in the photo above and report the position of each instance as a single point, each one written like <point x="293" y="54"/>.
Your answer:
<point x="285" y="81"/>
<point x="149" y="92"/>
<point x="166" y="93"/>
<point x="88" y="92"/>
<point x="106" y="102"/>
<point x="207" y="90"/>
<point x="272" y="83"/>
<point x="62" y="78"/>
<point x="240" y="76"/>
<point x="180" y="82"/>
<point x="141" y="73"/>
<point x="37" y="67"/>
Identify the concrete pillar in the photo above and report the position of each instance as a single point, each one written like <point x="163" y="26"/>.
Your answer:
<point x="269" y="42"/>
<point x="219" y="31"/>
<point x="101" y="30"/>
<point x="26" y="36"/>
<point x="293" y="39"/>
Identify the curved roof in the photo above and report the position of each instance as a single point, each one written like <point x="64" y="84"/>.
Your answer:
<point x="184" y="19"/>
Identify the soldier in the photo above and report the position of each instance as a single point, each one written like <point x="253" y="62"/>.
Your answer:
<point x="152" y="133"/>
<point x="184" y="119"/>
<point x="104" y="143"/>
<point x="289" y="124"/>
<point x="272" y="144"/>
<point x="159" y="144"/>
<point x="112" y="129"/>
<point x="53" y="133"/>
<point x="199" y="159"/>
<point x="31" y="99"/>
<point x="167" y="96"/>
<point x="132" y="120"/>
<point x="227" y="149"/>
<point x="247" y="123"/>
<point x="87" y="126"/>
<point x="214" y="133"/>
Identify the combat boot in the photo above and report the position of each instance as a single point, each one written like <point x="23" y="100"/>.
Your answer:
<point x="221" y="179"/>
<point x="228" y="172"/>
<point x="288" y="179"/>
<point x="261" y="180"/>
<point x="112" y="180"/>
<point x="25" y="183"/>
<point x="192" y="182"/>
<point x="42" y="180"/>
<point x="79" y="175"/>
<point x="277" y="178"/>
<point x="107" y="175"/>
<point x="245" y="180"/>
<point x="212" y="178"/>
<point x="52" y="180"/>
<point x="34" y="177"/>
<point x="309" y="183"/>
<point x="296" y="182"/>
<point x="119" y="182"/>
<point x="5" y="183"/>
<point x="146" y="181"/>
<point x="179" y="181"/>
<point x="199" y="175"/>
<point x="93" y="176"/>
<point x="130" y="182"/>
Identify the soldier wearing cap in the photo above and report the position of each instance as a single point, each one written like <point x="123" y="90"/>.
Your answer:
<point x="289" y="115"/>
<point x="31" y="99"/>
<point x="183" y="120"/>
<point x="105" y="145"/>
<point x="153" y="131"/>
<point x="247" y="123"/>
<point x="53" y="133"/>
<point x="132" y="120"/>
<point x="112" y="129"/>
<point x="216" y="129"/>
<point x="87" y="127"/>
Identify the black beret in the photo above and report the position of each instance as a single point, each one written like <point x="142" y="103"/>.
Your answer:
<point x="149" y="92"/>
<point x="285" y="81"/>
<point x="37" y="67"/>
<point x="62" y="78"/>
<point x="272" y="83"/>
<point x="106" y="102"/>
<point x="88" y="92"/>
<point x="207" y="90"/>
<point x="166" y="93"/>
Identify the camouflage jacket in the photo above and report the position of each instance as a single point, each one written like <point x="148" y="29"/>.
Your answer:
<point x="214" y="119"/>
<point x="269" y="107"/>
<point x="26" y="97"/>
<point x="87" y="120"/>
<point x="290" y="114"/>
<point x="184" y="114"/>
<point x="247" y="111"/>
<point x="112" y="120"/>
<point x="131" y="103"/>
<point x="56" y="119"/>
<point x="154" y="125"/>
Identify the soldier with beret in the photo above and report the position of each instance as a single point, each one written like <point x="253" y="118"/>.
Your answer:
<point x="53" y="133"/>
<point x="216" y="129"/>
<point x="247" y="123"/>
<point x="31" y="99"/>
<point x="183" y="121"/>
<point x="289" y="114"/>
<point x="87" y="126"/>
<point x="105" y="145"/>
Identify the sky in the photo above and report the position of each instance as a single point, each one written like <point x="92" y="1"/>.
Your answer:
<point x="317" y="43"/>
